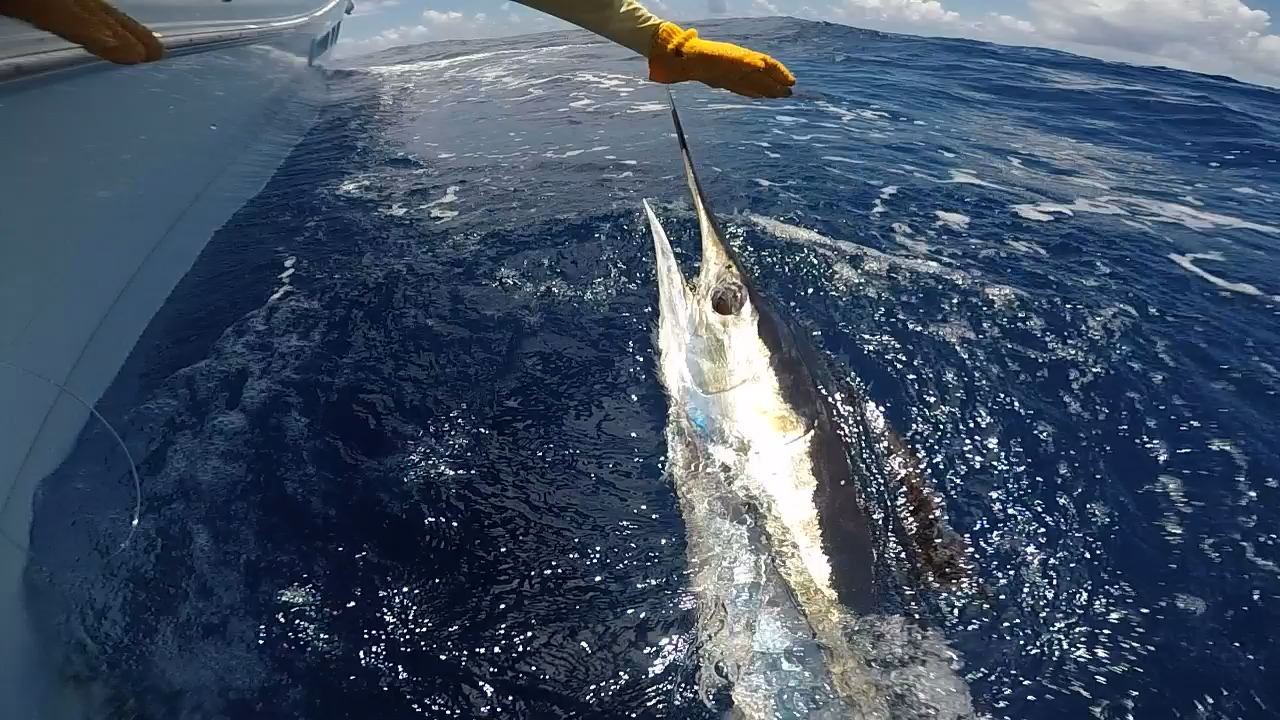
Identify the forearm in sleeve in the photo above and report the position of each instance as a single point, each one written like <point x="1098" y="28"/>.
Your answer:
<point x="625" y="22"/>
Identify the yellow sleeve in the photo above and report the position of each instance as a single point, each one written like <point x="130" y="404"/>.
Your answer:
<point x="625" y="22"/>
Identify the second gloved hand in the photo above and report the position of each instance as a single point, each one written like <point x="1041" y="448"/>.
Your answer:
<point x="680" y="55"/>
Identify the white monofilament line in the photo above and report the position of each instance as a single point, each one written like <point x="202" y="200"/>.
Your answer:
<point x="133" y="468"/>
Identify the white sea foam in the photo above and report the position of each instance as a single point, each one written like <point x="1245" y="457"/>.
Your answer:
<point x="956" y="221"/>
<point x="969" y="177"/>
<point x="450" y="195"/>
<point x="1142" y="209"/>
<point x="837" y="158"/>
<point x="874" y="260"/>
<point x="1026" y="247"/>
<point x="1187" y="262"/>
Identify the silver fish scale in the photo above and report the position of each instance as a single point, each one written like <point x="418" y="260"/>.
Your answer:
<point x="754" y="640"/>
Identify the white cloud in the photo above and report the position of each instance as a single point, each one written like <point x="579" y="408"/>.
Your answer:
<point x="1213" y="35"/>
<point x="1219" y="36"/>
<point x="764" y="7"/>
<point x="373" y="7"/>
<point x="1009" y="22"/>
<point x="897" y="11"/>
<point x="449" y="25"/>
<point x="1154" y="24"/>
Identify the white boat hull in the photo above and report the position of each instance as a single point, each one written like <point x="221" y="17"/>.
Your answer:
<point x="114" y="179"/>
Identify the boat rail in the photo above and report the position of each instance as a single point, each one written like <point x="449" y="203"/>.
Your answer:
<point x="33" y="53"/>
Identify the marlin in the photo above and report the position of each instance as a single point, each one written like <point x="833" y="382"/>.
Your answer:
<point x="780" y="546"/>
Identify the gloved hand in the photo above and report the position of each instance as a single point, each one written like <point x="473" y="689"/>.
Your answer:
<point x="92" y="24"/>
<point x="679" y="55"/>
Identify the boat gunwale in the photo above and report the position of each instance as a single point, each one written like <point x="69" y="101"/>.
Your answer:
<point x="182" y="37"/>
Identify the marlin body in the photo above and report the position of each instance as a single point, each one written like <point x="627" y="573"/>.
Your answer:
<point x="780" y="547"/>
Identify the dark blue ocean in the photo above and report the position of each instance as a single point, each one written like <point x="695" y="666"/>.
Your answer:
<point x="400" y="437"/>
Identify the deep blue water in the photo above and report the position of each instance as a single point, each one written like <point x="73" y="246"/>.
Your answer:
<point x="401" y="444"/>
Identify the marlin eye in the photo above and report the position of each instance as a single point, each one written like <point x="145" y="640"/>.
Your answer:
<point x="728" y="298"/>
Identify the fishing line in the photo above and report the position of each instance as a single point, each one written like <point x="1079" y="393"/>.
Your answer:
<point x="133" y="468"/>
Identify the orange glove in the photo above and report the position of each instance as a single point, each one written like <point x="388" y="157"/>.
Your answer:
<point x="92" y="24"/>
<point x="679" y="55"/>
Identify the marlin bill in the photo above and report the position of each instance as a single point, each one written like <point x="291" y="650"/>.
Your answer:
<point x="780" y="547"/>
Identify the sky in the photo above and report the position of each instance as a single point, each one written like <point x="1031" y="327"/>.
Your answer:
<point x="1240" y="38"/>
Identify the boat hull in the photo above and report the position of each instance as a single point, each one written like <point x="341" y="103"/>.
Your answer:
<point x="114" y="179"/>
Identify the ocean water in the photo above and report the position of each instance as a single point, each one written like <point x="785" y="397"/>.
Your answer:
<point x="400" y="439"/>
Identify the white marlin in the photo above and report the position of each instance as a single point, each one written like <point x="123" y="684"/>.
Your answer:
<point x="780" y="546"/>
